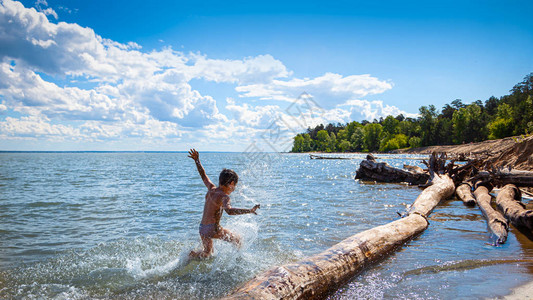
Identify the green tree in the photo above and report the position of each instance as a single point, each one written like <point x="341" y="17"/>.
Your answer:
<point x="342" y="135"/>
<point x="443" y="131"/>
<point x="390" y="125"/>
<point x="409" y="127"/>
<point x="415" y="142"/>
<point x="388" y="145"/>
<point x="500" y="128"/>
<point x="397" y="141"/>
<point x="372" y="136"/>
<point x="332" y="143"/>
<point x="351" y="127"/>
<point x="298" y="145"/>
<point x="307" y="143"/>
<point x="469" y="124"/>
<point x="503" y="125"/>
<point x="358" y="139"/>
<point x="427" y="122"/>
<point x="344" y="146"/>
<point x="322" y="140"/>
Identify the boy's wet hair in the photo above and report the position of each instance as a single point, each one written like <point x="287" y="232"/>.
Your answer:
<point x="227" y="176"/>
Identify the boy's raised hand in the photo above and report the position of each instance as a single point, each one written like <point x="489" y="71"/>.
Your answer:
<point x="255" y="208"/>
<point x="194" y="154"/>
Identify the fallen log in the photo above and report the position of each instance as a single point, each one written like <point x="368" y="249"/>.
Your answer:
<point x="441" y="187"/>
<point x="508" y="201"/>
<point x="316" y="276"/>
<point x="414" y="169"/>
<point x="464" y="192"/>
<point x="371" y="170"/>
<point x="497" y="223"/>
<point x="504" y="177"/>
<point x="313" y="156"/>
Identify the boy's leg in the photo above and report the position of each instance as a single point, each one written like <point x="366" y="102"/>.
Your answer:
<point x="228" y="236"/>
<point x="208" y="249"/>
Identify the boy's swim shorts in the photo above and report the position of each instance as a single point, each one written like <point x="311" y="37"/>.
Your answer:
<point x="208" y="230"/>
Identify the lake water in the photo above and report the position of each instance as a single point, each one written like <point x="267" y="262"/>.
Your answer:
<point x="120" y="225"/>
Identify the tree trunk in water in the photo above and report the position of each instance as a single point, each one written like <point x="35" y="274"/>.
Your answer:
<point x="371" y="170"/>
<point x="501" y="177"/>
<point x="316" y="276"/>
<point x="442" y="187"/>
<point x="464" y="192"/>
<point x="495" y="220"/>
<point x="508" y="201"/>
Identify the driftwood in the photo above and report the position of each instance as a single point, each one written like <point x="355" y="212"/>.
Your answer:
<point x="508" y="201"/>
<point x="441" y="187"/>
<point x="313" y="156"/>
<point x="503" y="177"/>
<point x="414" y="169"/>
<point x="371" y="170"/>
<point x="464" y="192"/>
<point x="497" y="223"/>
<point x="314" y="277"/>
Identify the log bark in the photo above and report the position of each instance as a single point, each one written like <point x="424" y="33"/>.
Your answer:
<point x="414" y="169"/>
<point x="316" y="276"/>
<point x="441" y="187"/>
<point x="371" y="170"/>
<point x="497" y="223"/>
<point x="464" y="192"/>
<point x="503" y="177"/>
<point x="508" y="201"/>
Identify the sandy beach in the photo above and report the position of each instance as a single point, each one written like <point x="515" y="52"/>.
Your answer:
<point x="522" y="292"/>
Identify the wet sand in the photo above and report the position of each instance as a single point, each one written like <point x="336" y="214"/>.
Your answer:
<point x="522" y="292"/>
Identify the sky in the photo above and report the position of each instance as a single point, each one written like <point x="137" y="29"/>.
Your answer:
<point x="240" y="75"/>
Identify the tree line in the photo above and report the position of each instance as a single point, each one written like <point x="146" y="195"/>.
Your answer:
<point x="456" y="123"/>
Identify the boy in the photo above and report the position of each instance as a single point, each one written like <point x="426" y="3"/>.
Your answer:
<point x="216" y="200"/>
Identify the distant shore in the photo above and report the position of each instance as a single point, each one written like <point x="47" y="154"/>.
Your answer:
<point x="515" y="152"/>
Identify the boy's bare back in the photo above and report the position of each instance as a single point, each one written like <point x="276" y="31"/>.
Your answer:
<point x="213" y="206"/>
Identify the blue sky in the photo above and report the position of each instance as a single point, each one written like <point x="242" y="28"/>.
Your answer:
<point x="170" y="75"/>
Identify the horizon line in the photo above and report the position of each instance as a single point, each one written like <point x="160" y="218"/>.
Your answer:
<point x="118" y="151"/>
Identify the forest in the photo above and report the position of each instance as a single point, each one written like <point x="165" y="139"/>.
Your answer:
<point x="456" y="123"/>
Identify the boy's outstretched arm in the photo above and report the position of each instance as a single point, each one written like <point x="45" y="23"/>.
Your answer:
<point x="196" y="156"/>
<point x="226" y="204"/>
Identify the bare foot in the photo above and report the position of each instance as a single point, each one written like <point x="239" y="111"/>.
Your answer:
<point x="199" y="255"/>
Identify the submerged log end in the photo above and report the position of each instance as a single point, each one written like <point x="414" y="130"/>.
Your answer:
<point x="496" y="222"/>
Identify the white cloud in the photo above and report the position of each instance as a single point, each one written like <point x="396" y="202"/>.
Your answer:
<point x="262" y="68"/>
<point x="329" y="89"/>
<point x="370" y="110"/>
<point x="258" y="117"/>
<point x="47" y="11"/>
<point x="26" y="92"/>
<point x="29" y="37"/>
<point x="34" y="127"/>
<point x="128" y="93"/>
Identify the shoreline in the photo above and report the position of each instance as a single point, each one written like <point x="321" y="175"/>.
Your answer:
<point x="520" y="292"/>
<point x="515" y="152"/>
